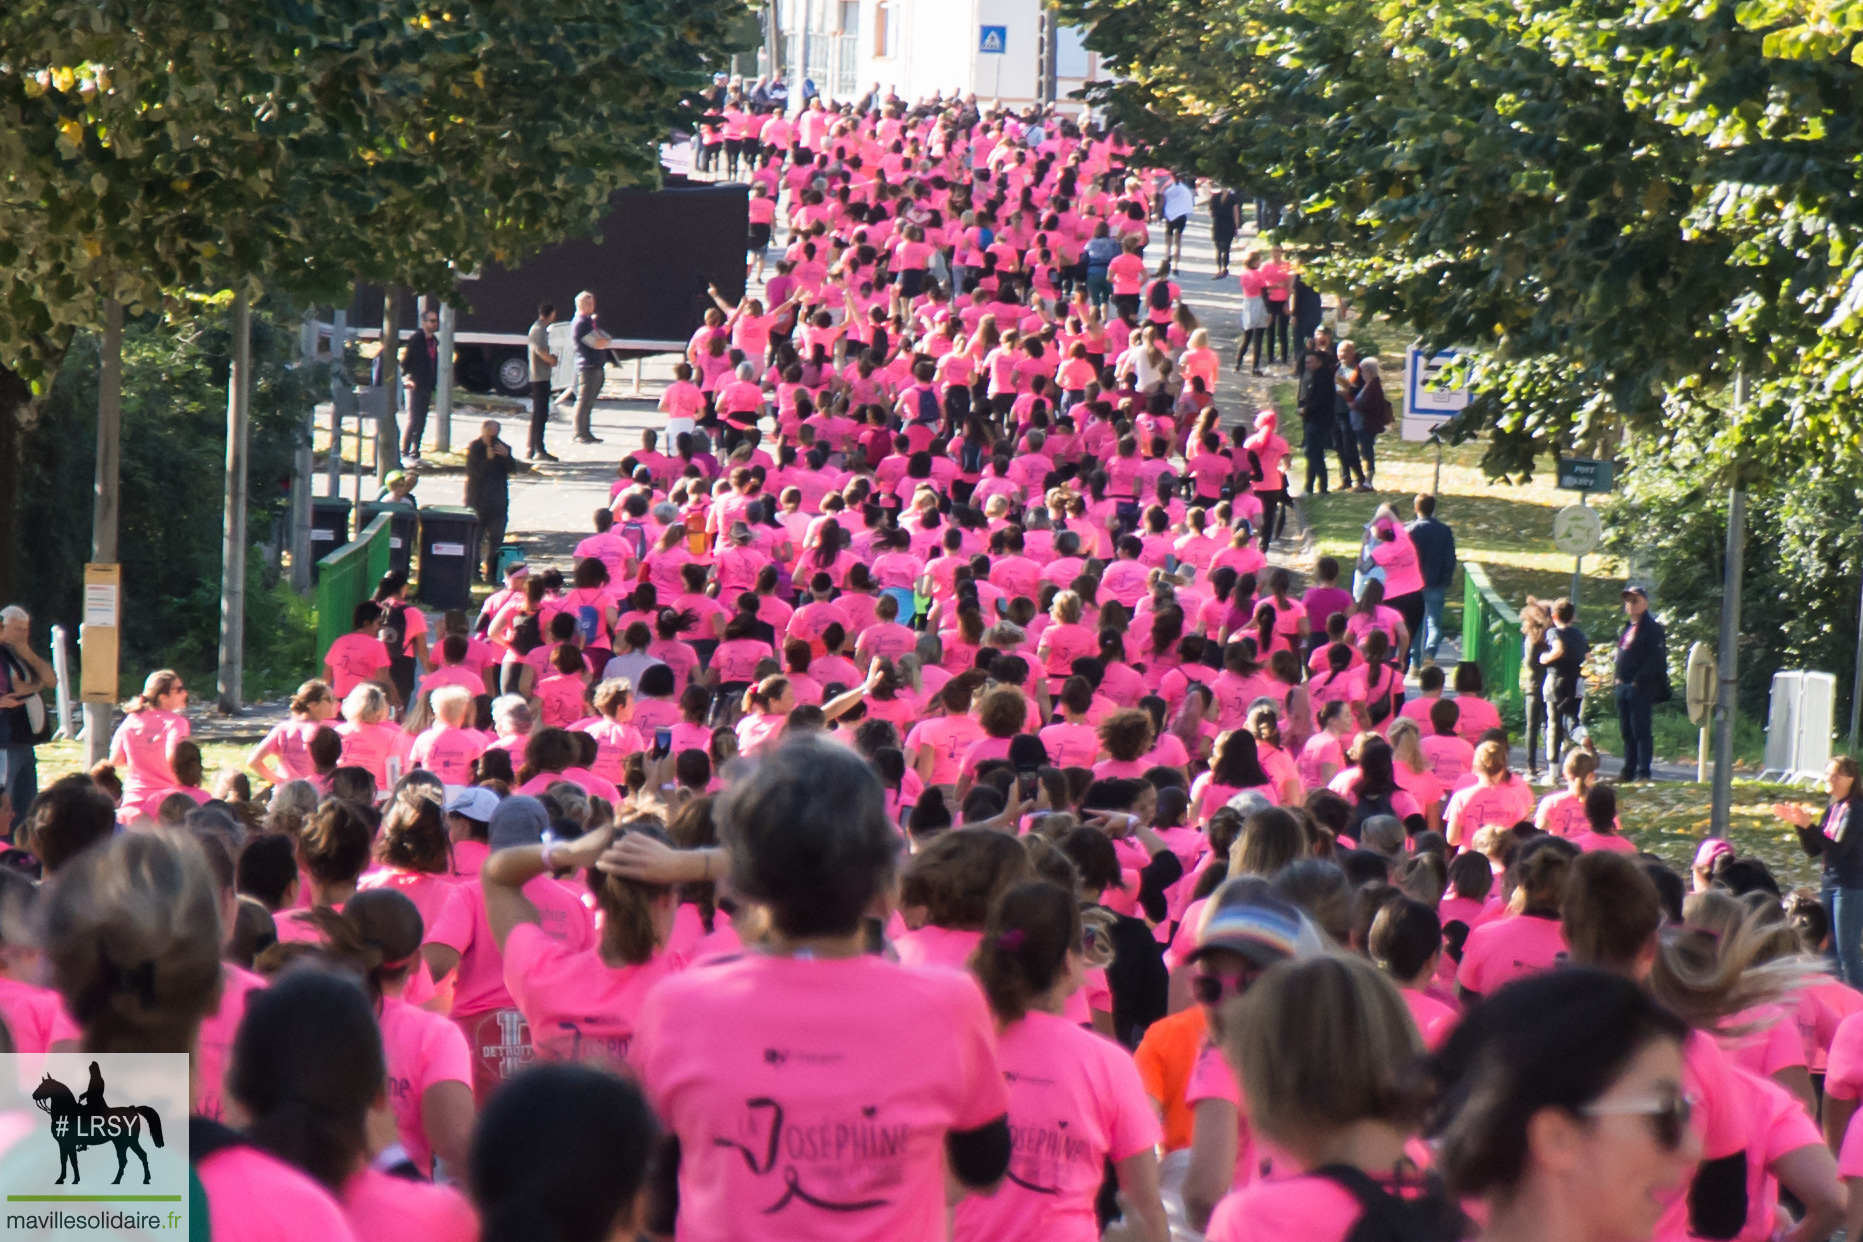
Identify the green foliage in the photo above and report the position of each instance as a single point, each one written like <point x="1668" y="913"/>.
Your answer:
<point x="174" y="454"/>
<point x="1798" y="608"/>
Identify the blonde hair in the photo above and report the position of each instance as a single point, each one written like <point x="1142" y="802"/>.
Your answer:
<point x="450" y="703"/>
<point x="1728" y="958"/>
<point x="366" y="704"/>
<point x="1200" y="339"/>
<point x="1066" y="607"/>
<point x="133" y="938"/>
<point x="1322" y="1043"/>
<point x="1490" y="759"/>
<point x="162" y="681"/>
<point x="1407" y="744"/>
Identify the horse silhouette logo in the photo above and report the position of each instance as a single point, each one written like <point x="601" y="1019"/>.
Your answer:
<point x="87" y="1121"/>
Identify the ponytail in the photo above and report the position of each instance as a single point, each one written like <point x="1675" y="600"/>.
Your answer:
<point x="629" y="934"/>
<point x="1025" y="946"/>
<point x="161" y="682"/>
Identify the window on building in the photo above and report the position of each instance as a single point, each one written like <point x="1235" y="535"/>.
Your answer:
<point x="850" y="17"/>
<point x="885" y="35"/>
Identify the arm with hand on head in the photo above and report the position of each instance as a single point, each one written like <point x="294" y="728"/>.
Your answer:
<point x="507" y="872"/>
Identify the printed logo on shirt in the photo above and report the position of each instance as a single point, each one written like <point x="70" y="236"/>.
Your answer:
<point x="842" y="1152"/>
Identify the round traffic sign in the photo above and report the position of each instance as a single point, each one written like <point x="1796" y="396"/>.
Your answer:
<point x="1577" y="530"/>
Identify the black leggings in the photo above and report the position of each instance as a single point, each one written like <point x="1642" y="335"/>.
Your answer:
<point x="1410" y="608"/>
<point x="1279" y="328"/>
<point x="1223" y="245"/>
<point x="1274" y="507"/>
<point x="1536" y="720"/>
<point x="1250" y="337"/>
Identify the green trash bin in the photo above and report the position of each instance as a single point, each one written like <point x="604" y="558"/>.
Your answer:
<point x="329" y="528"/>
<point x="449" y="547"/>
<point x="403" y="531"/>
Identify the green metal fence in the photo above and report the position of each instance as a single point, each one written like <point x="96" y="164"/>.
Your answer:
<point x="348" y="576"/>
<point x="1491" y="638"/>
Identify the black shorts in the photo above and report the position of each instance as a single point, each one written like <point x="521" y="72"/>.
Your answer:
<point x="759" y="237"/>
<point x="734" y="147"/>
<point x="1126" y="304"/>
<point x="911" y="281"/>
<point x="1177" y="225"/>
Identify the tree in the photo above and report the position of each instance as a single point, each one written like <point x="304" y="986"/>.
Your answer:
<point x="153" y="148"/>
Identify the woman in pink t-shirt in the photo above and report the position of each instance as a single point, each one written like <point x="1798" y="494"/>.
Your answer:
<point x="144" y="906"/>
<point x="145" y="741"/>
<point x="309" y="1048"/>
<point x="581" y="1005"/>
<point x="1075" y="1098"/>
<point x="1563" y="813"/>
<point x="1351" y="1138"/>
<point x="370" y="740"/>
<point x="378" y="936"/>
<point x="449" y="749"/>
<point x="1501" y="950"/>
<point x="289" y="742"/>
<point x="1498" y="797"/>
<point x="1576" y="1109"/>
<point x="747" y="1055"/>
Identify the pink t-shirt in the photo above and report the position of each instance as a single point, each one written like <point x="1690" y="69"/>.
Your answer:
<point x="1478" y="806"/>
<point x="790" y="1126"/>
<point x="462" y="926"/>
<point x="931" y="945"/>
<point x="1075" y="1101"/>
<point x="214" y="1048"/>
<point x="423" y="1050"/>
<point x="1589" y="840"/>
<point x="289" y="742"/>
<point x="1433" y="1017"/>
<point x="947" y="737"/>
<point x="254" y="1197"/>
<point x="1071" y="745"/>
<point x="381" y="1208"/>
<point x="1297" y="1209"/>
<point x="1562" y="814"/>
<point x="1507" y="949"/>
<point x="579" y="1008"/>
<point x="371" y="746"/>
<point x="35" y="1016"/>
<point x="144" y="740"/>
<point x="983" y="750"/>
<point x="1319" y="750"/>
<point x="1450" y="757"/>
<point x="353" y="659"/>
<point x="448" y="752"/>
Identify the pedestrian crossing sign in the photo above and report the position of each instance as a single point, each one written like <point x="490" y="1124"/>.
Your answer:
<point x="993" y="39"/>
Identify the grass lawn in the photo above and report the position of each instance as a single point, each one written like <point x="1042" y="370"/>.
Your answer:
<point x="1670" y="819"/>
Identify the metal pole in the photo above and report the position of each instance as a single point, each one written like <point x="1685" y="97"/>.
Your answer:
<point x="1436" y="486"/>
<point x="1578" y="562"/>
<point x="304" y="471"/>
<point x="443" y="384"/>
<point x="1856" y="684"/>
<point x="339" y="372"/>
<point x="1724" y="704"/>
<point x="97" y="716"/>
<point x="233" y="532"/>
<point x="387" y="427"/>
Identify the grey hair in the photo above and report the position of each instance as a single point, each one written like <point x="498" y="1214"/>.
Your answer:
<point x="1369" y="366"/>
<point x="512" y="709"/>
<point x="12" y="613"/>
<point x="745" y="371"/>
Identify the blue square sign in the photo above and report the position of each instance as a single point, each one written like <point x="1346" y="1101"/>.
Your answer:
<point x="993" y="39"/>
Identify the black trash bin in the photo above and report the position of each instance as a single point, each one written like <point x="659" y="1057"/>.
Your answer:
<point x="402" y="531"/>
<point x="449" y="545"/>
<point x="329" y="527"/>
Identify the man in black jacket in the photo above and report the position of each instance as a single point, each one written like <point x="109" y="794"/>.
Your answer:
<point x="1642" y="674"/>
<point x="420" y="370"/>
<point x="488" y="492"/>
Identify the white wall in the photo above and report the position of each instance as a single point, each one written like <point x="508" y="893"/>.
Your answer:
<point x="936" y="44"/>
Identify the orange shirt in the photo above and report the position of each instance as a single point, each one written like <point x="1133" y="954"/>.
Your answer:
<point x="1165" y="1059"/>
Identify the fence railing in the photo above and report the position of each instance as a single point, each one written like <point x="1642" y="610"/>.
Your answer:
<point x="1491" y="638"/>
<point x="348" y="576"/>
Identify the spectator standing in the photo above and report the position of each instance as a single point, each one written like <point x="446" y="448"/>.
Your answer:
<point x="1316" y="416"/>
<point x="1371" y="417"/>
<point x="488" y="490"/>
<point x="542" y="362"/>
<point x="1567" y="647"/>
<point x="1435" y="544"/>
<point x="1642" y="680"/>
<point x="420" y="370"/>
<point x="1345" y="439"/>
<point x="591" y="345"/>
<point x="22" y="675"/>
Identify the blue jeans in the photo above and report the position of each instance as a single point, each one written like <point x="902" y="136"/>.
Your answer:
<point x="19" y="778"/>
<point x="1099" y="290"/>
<point x="1429" y="635"/>
<point x="1845" y="908"/>
<point x="1633" y="721"/>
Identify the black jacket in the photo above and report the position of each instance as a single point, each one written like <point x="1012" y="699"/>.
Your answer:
<point x="487" y="477"/>
<point x="1435" y="545"/>
<point x="1842" y="847"/>
<point x="420" y="360"/>
<point x="1642" y="654"/>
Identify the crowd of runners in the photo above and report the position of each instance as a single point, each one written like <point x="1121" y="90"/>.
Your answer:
<point x="921" y="810"/>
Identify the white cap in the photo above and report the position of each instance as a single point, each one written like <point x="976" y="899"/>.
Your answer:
<point x="471" y="801"/>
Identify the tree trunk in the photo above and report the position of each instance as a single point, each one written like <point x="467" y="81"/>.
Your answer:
<point x="15" y="394"/>
<point x="233" y="537"/>
<point x="107" y="497"/>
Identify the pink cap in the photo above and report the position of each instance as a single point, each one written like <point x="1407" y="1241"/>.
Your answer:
<point x="1712" y="849"/>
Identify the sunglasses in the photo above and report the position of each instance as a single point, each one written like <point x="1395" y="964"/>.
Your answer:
<point x="1212" y="989"/>
<point x="1669" y="1115"/>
